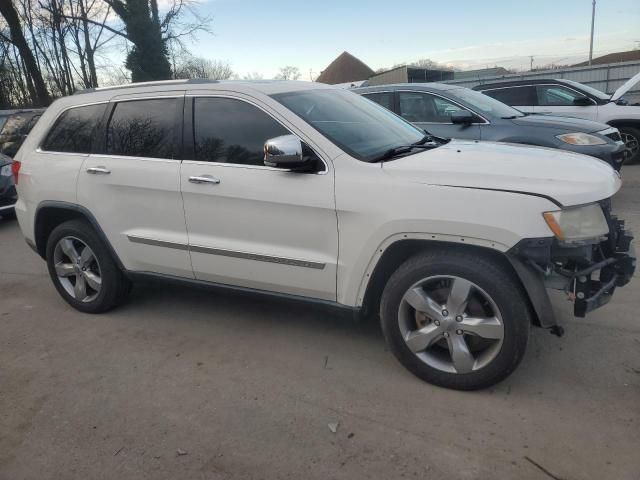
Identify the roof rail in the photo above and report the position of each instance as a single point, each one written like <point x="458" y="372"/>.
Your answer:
<point x="155" y="83"/>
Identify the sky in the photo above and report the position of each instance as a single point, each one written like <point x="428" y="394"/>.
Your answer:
<point x="262" y="36"/>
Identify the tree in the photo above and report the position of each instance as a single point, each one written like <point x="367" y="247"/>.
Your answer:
<point x="34" y="80"/>
<point x="288" y="73"/>
<point x="198" y="67"/>
<point x="151" y="35"/>
<point x="253" y="76"/>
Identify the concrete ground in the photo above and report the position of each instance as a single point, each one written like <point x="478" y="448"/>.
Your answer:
<point x="190" y="384"/>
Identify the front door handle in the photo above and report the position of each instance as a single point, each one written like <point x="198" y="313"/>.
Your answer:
<point x="98" y="171"/>
<point x="204" y="179"/>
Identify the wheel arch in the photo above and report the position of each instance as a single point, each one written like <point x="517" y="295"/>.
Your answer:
<point x="50" y="214"/>
<point x="618" y="123"/>
<point x="401" y="250"/>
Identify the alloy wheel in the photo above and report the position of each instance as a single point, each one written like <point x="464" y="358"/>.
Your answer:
<point x="631" y="143"/>
<point x="451" y="324"/>
<point x="77" y="269"/>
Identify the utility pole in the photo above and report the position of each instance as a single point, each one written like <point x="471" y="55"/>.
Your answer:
<point x="593" y="21"/>
<point x="531" y="67"/>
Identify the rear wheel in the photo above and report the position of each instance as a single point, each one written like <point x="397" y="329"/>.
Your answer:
<point x="455" y="319"/>
<point x="631" y="139"/>
<point x="82" y="269"/>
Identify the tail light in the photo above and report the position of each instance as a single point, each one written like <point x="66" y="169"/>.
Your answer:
<point x="15" y="170"/>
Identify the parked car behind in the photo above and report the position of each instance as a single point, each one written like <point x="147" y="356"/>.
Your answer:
<point x="456" y="112"/>
<point x="14" y="128"/>
<point x="301" y="190"/>
<point x="551" y="96"/>
<point x="8" y="194"/>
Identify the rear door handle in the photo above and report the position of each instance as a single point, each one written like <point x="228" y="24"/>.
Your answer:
<point x="204" y="179"/>
<point x="98" y="171"/>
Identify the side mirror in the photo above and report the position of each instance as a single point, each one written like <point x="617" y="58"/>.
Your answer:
<point x="463" y="117"/>
<point x="286" y="152"/>
<point x="582" y="101"/>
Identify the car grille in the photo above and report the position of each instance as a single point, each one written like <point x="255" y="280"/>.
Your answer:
<point x="615" y="136"/>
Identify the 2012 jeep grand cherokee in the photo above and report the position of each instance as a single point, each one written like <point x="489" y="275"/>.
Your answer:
<point x="316" y="193"/>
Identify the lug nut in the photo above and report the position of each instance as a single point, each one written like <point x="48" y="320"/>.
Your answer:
<point x="459" y="332"/>
<point x="445" y="313"/>
<point x="446" y="334"/>
<point x="437" y="322"/>
<point x="458" y="318"/>
<point x="580" y="295"/>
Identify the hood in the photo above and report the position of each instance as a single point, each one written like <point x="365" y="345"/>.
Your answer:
<point x="625" y="87"/>
<point x="566" y="177"/>
<point x="560" y="123"/>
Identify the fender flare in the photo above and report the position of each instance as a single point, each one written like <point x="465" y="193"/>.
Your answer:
<point x="78" y="212"/>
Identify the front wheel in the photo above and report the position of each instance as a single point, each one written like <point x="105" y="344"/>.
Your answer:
<point x="455" y="319"/>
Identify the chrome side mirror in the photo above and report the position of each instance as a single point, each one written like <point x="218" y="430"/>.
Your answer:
<point x="284" y="152"/>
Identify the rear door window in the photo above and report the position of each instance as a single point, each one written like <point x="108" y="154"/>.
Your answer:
<point x="74" y="130"/>
<point x="382" y="98"/>
<point x="143" y="128"/>
<point x="514" y="96"/>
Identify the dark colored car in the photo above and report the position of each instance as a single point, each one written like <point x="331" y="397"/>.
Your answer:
<point x="456" y="112"/>
<point x="8" y="195"/>
<point x="14" y="128"/>
<point x="559" y="96"/>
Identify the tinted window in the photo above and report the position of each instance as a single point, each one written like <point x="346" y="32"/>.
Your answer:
<point x="484" y="103"/>
<point x="555" y="95"/>
<point x="142" y="128"/>
<point x="361" y="128"/>
<point x="231" y="131"/>
<point x="515" y="96"/>
<point x="74" y="130"/>
<point x="423" y="107"/>
<point x="384" y="98"/>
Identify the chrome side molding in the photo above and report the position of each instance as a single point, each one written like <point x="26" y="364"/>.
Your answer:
<point x="228" y="253"/>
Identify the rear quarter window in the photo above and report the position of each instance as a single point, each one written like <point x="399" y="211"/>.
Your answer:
<point x="74" y="130"/>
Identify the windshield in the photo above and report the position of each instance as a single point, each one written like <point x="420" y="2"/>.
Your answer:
<point x="485" y="103"/>
<point x="592" y="91"/>
<point x="360" y="127"/>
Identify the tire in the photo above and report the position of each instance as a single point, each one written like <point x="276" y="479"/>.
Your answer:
<point x="113" y="287"/>
<point x="434" y="273"/>
<point x="631" y="137"/>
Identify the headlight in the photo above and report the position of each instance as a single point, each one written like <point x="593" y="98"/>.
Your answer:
<point x="581" y="139"/>
<point x="580" y="225"/>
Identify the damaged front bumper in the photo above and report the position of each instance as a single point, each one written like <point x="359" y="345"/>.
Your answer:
<point x="588" y="274"/>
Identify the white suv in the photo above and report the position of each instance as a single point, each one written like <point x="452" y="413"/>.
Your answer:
<point x="303" y="190"/>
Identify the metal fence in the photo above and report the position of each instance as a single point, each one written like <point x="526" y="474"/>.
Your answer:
<point x="606" y="78"/>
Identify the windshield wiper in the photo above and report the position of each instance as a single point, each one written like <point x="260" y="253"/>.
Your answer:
<point x="400" y="150"/>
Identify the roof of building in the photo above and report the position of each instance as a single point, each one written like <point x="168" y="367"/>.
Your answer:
<point x="345" y="68"/>
<point x="628" y="56"/>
